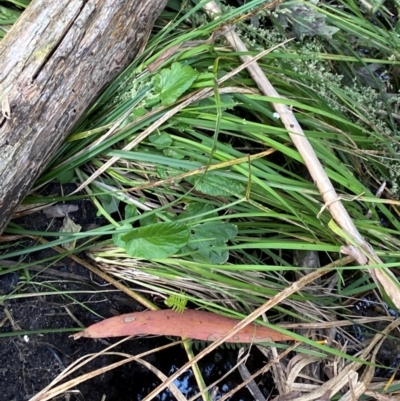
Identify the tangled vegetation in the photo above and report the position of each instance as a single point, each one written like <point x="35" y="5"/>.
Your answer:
<point x="207" y="200"/>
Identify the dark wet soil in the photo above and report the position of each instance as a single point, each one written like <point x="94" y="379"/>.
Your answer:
<point x="389" y="352"/>
<point x="29" y="362"/>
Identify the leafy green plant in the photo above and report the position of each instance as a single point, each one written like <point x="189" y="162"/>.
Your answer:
<point x="176" y="302"/>
<point x="156" y="241"/>
<point x="172" y="82"/>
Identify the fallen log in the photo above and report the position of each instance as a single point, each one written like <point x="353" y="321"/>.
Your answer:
<point x="53" y="64"/>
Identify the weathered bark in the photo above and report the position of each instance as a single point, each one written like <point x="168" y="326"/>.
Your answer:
<point x="53" y="63"/>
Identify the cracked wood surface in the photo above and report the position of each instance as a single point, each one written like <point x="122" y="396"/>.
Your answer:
<point x="53" y="64"/>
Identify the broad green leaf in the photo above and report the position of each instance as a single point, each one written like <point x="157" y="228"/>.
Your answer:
<point x="216" y="185"/>
<point x="172" y="82"/>
<point x="130" y="211"/>
<point x="160" y="141"/>
<point x="148" y="219"/>
<point x="195" y="209"/>
<point x="109" y="203"/>
<point x="179" y="125"/>
<point x="138" y="112"/>
<point x="8" y="15"/>
<point x="117" y="238"/>
<point x="161" y="172"/>
<point x="205" y="76"/>
<point x="170" y="152"/>
<point x="208" y="238"/>
<point x="156" y="241"/>
<point x="208" y="105"/>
